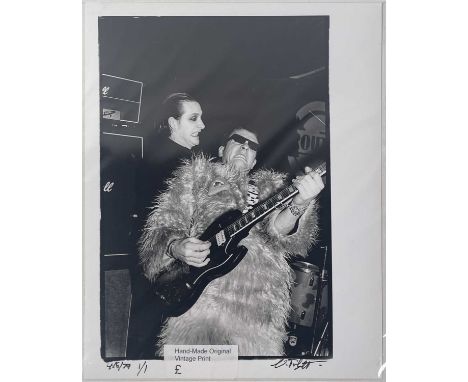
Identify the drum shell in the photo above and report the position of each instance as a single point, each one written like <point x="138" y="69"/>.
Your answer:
<point x="304" y="293"/>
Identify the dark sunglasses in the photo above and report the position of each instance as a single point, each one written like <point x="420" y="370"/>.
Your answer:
<point x="241" y="140"/>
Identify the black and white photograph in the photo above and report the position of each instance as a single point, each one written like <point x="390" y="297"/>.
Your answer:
<point x="223" y="207"/>
<point x="214" y="192"/>
<point x="233" y="190"/>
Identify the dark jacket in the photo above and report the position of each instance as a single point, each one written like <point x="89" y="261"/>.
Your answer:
<point x="159" y="162"/>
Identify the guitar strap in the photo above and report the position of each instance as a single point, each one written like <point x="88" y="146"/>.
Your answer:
<point x="252" y="196"/>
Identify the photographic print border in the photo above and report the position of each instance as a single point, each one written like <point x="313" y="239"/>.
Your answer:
<point x="356" y="115"/>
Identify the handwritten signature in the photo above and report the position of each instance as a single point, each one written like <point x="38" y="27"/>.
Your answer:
<point x="294" y="363"/>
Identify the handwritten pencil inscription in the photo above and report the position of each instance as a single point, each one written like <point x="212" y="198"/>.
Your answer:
<point x="140" y="368"/>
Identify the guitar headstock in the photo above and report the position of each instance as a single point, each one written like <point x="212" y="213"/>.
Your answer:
<point x="320" y="168"/>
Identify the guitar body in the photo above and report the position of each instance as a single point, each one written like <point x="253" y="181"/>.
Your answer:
<point x="180" y="286"/>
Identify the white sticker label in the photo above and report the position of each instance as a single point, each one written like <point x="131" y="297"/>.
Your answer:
<point x="201" y="361"/>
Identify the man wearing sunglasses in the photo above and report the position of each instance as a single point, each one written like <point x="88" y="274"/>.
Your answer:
<point x="240" y="150"/>
<point x="249" y="306"/>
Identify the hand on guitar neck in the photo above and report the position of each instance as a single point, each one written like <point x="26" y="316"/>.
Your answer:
<point x="309" y="186"/>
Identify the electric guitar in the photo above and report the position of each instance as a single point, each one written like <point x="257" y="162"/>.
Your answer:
<point x="180" y="286"/>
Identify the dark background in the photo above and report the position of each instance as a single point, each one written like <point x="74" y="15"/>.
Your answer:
<point x="251" y="71"/>
<point x="239" y="68"/>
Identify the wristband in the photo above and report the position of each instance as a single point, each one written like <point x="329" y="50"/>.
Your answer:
<point x="169" y="248"/>
<point x="297" y="210"/>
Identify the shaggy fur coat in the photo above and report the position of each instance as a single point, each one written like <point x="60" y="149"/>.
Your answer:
<point x="249" y="306"/>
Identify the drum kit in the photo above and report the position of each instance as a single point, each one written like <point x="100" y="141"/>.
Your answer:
<point x="309" y="331"/>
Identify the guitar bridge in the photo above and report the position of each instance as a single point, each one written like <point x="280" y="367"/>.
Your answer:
<point x="220" y="238"/>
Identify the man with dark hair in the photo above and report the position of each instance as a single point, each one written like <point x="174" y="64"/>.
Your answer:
<point x="177" y="137"/>
<point x="248" y="306"/>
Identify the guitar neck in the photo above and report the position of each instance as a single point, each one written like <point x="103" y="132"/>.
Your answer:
<point x="268" y="206"/>
<point x="261" y="210"/>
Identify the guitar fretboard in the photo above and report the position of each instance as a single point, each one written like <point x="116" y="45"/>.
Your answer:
<point x="261" y="210"/>
<point x="267" y="206"/>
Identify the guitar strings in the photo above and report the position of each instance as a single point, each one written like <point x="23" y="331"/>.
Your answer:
<point x="265" y="206"/>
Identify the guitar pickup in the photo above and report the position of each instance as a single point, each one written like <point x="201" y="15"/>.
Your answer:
<point x="220" y="238"/>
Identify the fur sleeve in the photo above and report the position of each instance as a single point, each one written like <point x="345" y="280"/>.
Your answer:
<point x="306" y="233"/>
<point x="169" y="219"/>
